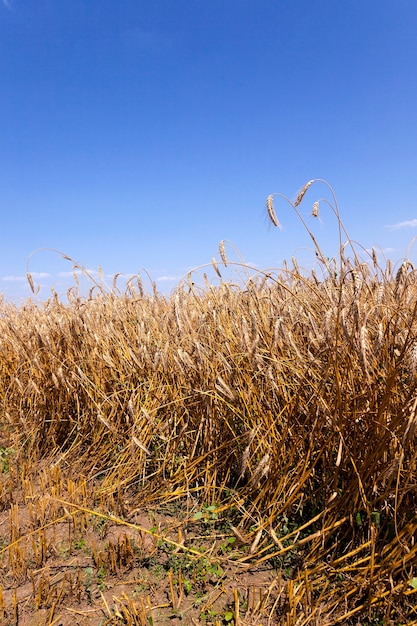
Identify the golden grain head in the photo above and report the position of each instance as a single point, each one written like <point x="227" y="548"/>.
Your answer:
<point x="302" y="193"/>
<point x="222" y="250"/>
<point x="30" y="281"/>
<point x="271" y="211"/>
<point x="413" y="359"/>
<point x="215" y="267"/>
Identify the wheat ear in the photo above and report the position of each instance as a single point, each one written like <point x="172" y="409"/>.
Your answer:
<point x="271" y="212"/>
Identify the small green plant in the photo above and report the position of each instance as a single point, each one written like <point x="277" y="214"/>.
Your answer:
<point x="359" y="518"/>
<point x="80" y="544"/>
<point x="376" y="518"/>
<point x="5" y="456"/>
<point x="100" y="576"/>
<point x="227" y="546"/>
<point x="208" y="615"/>
<point x="204" y="568"/>
<point x="207" y="514"/>
<point x="158" y="571"/>
<point x="187" y="584"/>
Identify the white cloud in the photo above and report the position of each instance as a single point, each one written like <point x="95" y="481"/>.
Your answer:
<point x="78" y="272"/>
<point x="406" y="224"/>
<point x="21" y="279"/>
<point x="120" y="276"/>
<point x="382" y="250"/>
<point x="15" y="279"/>
<point x="163" y="279"/>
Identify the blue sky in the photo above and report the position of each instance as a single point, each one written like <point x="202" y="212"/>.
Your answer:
<point x="139" y="134"/>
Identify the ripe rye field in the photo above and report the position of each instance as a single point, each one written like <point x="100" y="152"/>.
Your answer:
<point x="230" y="454"/>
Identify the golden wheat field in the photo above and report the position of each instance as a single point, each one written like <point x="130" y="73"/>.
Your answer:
<point x="231" y="454"/>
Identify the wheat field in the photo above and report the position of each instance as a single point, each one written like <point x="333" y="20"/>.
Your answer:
<point x="272" y="422"/>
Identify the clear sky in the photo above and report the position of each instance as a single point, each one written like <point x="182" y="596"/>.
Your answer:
<point x="138" y="134"/>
